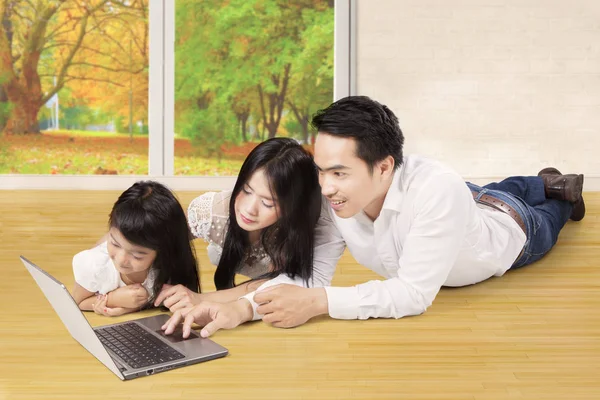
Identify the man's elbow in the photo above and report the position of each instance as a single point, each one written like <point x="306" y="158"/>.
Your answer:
<point x="417" y="306"/>
<point x="413" y="311"/>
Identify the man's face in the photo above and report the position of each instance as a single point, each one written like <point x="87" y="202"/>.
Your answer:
<point x="344" y="178"/>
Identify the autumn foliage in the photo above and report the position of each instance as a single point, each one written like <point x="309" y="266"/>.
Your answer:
<point x="97" y="49"/>
<point x="245" y="71"/>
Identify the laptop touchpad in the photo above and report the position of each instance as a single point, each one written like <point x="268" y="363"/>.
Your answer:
<point x="177" y="335"/>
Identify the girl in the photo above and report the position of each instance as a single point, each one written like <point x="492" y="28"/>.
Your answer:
<point x="147" y="246"/>
<point x="263" y="227"/>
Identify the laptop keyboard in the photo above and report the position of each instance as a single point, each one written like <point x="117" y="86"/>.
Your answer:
<point x="136" y="346"/>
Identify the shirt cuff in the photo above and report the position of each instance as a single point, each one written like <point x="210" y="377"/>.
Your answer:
<point x="343" y="302"/>
<point x="250" y="297"/>
<point x="275" y="281"/>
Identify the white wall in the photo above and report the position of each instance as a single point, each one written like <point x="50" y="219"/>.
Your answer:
<point x="491" y="87"/>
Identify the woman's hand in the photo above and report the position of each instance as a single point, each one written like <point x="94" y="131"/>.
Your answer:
<point x="211" y="316"/>
<point x="177" y="297"/>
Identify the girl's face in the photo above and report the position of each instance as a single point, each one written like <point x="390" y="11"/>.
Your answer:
<point x="128" y="257"/>
<point x="255" y="206"/>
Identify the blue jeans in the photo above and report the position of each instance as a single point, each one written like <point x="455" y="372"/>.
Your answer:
<point x="544" y="218"/>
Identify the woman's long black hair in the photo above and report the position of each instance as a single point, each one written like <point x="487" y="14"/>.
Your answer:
<point x="289" y="242"/>
<point x="149" y="215"/>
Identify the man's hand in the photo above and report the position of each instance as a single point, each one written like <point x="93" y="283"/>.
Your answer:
<point x="100" y="307"/>
<point x="130" y="296"/>
<point x="212" y="316"/>
<point x="177" y="297"/>
<point x="287" y="306"/>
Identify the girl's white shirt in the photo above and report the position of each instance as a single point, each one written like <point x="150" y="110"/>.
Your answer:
<point x="94" y="271"/>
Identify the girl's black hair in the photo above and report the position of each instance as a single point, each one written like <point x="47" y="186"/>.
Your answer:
<point x="149" y="215"/>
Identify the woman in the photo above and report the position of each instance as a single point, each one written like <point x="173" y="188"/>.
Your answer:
<point x="262" y="228"/>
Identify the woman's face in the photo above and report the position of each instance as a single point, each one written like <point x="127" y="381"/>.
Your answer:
<point x="127" y="257"/>
<point x="256" y="207"/>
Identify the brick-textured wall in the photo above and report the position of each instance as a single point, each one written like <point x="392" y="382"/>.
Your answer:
<point x="491" y="87"/>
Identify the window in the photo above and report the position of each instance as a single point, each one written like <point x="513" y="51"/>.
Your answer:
<point x="167" y="89"/>
<point x="74" y="94"/>
<point x="246" y="71"/>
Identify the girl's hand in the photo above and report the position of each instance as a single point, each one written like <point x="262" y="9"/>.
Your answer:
<point x="130" y="296"/>
<point x="101" y="308"/>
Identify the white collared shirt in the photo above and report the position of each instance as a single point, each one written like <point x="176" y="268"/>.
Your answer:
<point x="430" y="233"/>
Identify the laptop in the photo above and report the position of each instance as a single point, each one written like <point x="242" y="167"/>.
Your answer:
<point x="129" y="349"/>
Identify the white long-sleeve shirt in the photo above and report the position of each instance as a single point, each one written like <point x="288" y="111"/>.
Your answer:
<point x="430" y="233"/>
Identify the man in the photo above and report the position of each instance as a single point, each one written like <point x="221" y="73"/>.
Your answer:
<point x="412" y="220"/>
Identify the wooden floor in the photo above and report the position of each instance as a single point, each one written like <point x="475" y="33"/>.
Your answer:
<point x="532" y="334"/>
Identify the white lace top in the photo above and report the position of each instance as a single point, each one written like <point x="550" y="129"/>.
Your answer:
<point x="208" y="218"/>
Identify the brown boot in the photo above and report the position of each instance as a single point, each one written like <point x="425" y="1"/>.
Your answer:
<point x="565" y="187"/>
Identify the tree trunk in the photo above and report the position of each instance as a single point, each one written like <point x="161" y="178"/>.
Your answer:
<point x="260" y="130"/>
<point x="8" y="29"/>
<point x="3" y="104"/>
<point x="302" y="118"/>
<point x="23" y="116"/>
<point x="275" y="101"/>
<point x="304" y="124"/>
<point x="242" y="114"/>
<point x="273" y="121"/>
<point x="243" y="118"/>
<point x="23" y="90"/>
